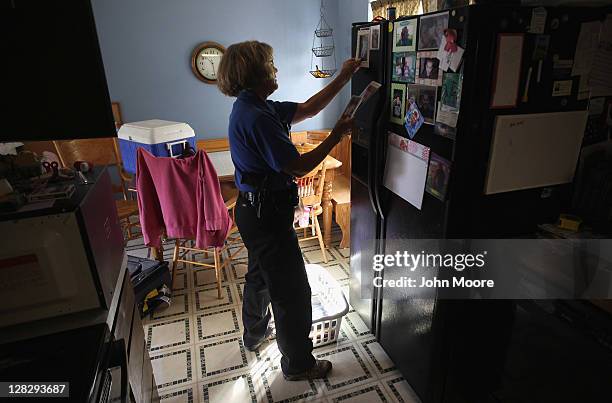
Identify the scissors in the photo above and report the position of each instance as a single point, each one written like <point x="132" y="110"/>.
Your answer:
<point x="51" y="167"/>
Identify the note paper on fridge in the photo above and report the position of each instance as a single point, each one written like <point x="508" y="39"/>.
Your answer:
<point x="507" y="70"/>
<point x="534" y="150"/>
<point x="406" y="169"/>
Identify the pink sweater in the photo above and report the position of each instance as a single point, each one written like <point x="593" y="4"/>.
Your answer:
<point x="183" y="197"/>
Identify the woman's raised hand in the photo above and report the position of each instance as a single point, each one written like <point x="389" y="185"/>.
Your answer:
<point x="350" y="67"/>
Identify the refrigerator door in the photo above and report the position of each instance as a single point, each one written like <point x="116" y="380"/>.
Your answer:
<point x="460" y="350"/>
<point x="365" y="220"/>
<point x="401" y="311"/>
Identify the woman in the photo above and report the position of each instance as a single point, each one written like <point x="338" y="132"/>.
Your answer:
<point x="266" y="162"/>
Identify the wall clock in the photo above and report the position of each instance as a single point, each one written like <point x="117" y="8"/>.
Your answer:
<point x="205" y="60"/>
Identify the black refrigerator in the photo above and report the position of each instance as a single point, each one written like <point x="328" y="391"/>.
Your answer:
<point x="452" y="350"/>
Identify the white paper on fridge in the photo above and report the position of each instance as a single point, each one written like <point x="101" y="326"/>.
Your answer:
<point x="534" y="150"/>
<point x="449" y="60"/>
<point x="586" y="48"/>
<point x="508" y="70"/>
<point x="406" y="169"/>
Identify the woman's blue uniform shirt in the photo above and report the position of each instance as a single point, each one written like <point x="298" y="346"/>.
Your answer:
<point x="259" y="140"/>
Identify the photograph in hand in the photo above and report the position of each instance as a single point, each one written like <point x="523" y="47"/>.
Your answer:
<point x="357" y="101"/>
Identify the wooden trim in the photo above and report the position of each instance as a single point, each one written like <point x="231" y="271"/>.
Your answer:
<point x="299" y="137"/>
<point x="117" y="114"/>
<point x="213" y="145"/>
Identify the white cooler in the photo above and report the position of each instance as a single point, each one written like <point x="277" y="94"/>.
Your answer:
<point x="161" y="138"/>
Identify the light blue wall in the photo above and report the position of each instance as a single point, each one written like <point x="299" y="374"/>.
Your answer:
<point x="146" y="47"/>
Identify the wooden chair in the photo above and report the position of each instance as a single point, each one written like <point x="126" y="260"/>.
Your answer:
<point x="341" y="194"/>
<point x="183" y="248"/>
<point x="105" y="151"/>
<point x="310" y="191"/>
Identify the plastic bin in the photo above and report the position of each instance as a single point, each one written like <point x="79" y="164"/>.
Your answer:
<point x="328" y="306"/>
<point x="161" y="138"/>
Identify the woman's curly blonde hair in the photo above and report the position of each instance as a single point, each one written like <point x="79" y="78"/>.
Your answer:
<point x="245" y="65"/>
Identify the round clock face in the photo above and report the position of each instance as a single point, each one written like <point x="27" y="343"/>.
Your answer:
<point x="205" y="61"/>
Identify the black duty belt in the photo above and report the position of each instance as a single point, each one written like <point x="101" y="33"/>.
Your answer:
<point x="253" y="197"/>
<point x="283" y="197"/>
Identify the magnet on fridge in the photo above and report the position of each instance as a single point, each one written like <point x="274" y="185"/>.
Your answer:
<point x="554" y="24"/>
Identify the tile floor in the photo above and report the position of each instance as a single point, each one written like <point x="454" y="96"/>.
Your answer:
<point x="198" y="356"/>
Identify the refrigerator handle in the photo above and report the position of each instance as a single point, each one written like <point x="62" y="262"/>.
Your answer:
<point x="376" y="156"/>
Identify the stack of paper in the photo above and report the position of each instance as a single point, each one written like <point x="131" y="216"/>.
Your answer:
<point x="356" y="101"/>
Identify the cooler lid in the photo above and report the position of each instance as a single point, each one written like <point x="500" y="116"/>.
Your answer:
<point x="155" y="131"/>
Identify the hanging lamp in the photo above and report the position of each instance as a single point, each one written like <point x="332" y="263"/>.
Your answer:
<point x="323" y="57"/>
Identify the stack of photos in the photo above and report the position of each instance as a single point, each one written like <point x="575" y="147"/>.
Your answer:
<point x="404" y="35"/>
<point x="398" y="103"/>
<point x="438" y="173"/>
<point x="425" y="97"/>
<point x="431" y="30"/>
<point x="428" y="68"/>
<point x="404" y="67"/>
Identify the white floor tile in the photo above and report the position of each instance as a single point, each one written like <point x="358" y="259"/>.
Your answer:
<point x="225" y="322"/>
<point x="206" y="298"/>
<point x="237" y="388"/>
<point x="173" y="368"/>
<point x="168" y="334"/>
<point x="223" y="357"/>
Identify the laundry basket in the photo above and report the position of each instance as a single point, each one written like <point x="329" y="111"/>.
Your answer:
<point x="328" y="305"/>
